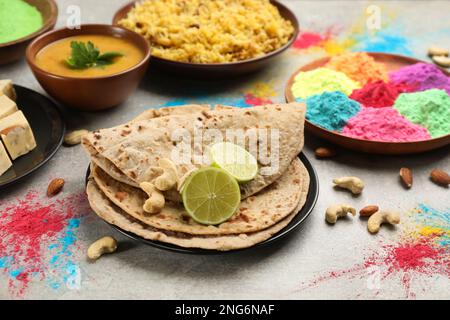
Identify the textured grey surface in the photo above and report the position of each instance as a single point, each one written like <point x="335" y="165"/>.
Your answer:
<point x="142" y="272"/>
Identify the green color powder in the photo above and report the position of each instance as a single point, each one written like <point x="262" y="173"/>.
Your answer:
<point x="17" y="20"/>
<point x="430" y="109"/>
<point x="322" y="80"/>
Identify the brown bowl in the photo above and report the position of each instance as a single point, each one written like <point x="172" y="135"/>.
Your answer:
<point x="96" y="93"/>
<point x="392" y="62"/>
<point x="219" y="70"/>
<point x="15" y="50"/>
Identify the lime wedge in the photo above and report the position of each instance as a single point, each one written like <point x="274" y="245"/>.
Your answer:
<point x="211" y="195"/>
<point x="235" y="160"/>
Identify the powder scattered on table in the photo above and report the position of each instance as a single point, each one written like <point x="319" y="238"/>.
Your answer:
<point x="383" y="124"/>
<point x="331" y="110"/>
<point x="309" y="83"/>
<point x="430" y="109"/>
<point x="359" y="66"/>
<point x="18" y="19"/>
<point x="380" y="94"/>
<point x="423" y="75"/>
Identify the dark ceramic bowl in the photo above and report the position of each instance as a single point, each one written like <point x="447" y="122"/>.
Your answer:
<point x="15" y="50"/>
<point x="95" y="93"/>
<point x="219" y="70"/>
<point x="392" y="62"/>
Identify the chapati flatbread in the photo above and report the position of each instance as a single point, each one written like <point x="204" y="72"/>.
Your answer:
<point x="112" y="214"/>
<point x="126" y="152"/>
<point x="255" y="213"/>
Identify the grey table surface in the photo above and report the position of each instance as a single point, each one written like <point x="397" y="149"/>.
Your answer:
<point x="317" y="261"/>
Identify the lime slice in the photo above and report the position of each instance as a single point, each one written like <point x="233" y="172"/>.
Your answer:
<point x="211" y="195"/>
<point x="235" y="160"/>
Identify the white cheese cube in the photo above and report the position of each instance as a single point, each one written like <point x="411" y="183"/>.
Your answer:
<point x="17" y="135"/>
<point x="7" y="89"/>
<point x="5" y="162"/>
<point x="7" y="106"/>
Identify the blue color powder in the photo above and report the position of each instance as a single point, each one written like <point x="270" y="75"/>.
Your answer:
<point x="175" y="103"/>
<point x="331" y="110"/>
<point x="434" y="218"/>
<point x="5" y="262"/>
<point x="60" y="259"/>
<point x="206" y="99"/>
<point x="386" y="40"/>
<point x="15" y="273"/>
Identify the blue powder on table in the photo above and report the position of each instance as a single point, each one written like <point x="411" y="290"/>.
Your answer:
<point x="331" y="110"/>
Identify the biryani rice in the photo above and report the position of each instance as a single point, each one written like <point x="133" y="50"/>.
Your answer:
<point x="209" y="31"/>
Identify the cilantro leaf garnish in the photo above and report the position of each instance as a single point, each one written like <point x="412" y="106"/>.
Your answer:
<point x="87" y="56"/>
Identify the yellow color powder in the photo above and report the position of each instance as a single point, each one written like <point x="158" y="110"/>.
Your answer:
<point x="321" y="80"/>
<point x="333" y="47"/>
<point x="262" y="89"/>
<point x="429" y="231"/>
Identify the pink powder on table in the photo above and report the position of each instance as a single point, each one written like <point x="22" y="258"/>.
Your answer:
<point x="384" y="124"/>
<point x="308" y="39"/>
<point x="423" y="76"/>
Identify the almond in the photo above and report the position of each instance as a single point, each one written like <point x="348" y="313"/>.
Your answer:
<point x="440" y="177"/>
<point x="55" y="186"/>
<point x="323" y="152"/>
<point x="367" y="211"/>
<point x="407" y="177"/>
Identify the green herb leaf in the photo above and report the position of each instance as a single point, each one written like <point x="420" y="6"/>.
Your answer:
<point x="87" y="56"/>
<point x="109" y="56"/>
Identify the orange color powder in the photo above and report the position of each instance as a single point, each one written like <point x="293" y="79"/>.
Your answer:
<point x="359" y="66"/>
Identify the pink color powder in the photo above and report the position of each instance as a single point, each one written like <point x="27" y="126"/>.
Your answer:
<point x="308" y="39"/>
<point x="253" y="100"/>
<point x="28" y="227"/>
<point x="384" y="124"/>
<point x="406" y="259"/>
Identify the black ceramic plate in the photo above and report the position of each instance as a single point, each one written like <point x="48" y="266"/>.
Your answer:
<point x="313" y="193"/>
<point x="48" y="127"/>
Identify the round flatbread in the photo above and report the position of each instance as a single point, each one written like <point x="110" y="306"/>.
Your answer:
<point x="255" y="213"/>
<point x="112" y="214"/>
<point x="135" y="148"/>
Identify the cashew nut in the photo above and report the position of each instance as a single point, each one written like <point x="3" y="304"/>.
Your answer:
<point x="101" y="246"/>
<point x="441" y="61"/>
<point x="378" y="218"/>
<point x="169" y="178"/>
<point x="155" y="201"/>
<point x="354" y="184"/>
<point x="437" y="51"/>
<point x="74" y="137"/>
<point x="337" y="211"/>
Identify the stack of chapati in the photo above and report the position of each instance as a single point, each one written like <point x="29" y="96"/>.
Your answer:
<point x="122" y="157"/>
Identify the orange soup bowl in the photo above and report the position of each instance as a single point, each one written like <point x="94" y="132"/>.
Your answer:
<point x="90" y="93"/>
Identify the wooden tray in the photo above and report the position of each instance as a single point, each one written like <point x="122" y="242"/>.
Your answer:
<point x="393" y="62"/>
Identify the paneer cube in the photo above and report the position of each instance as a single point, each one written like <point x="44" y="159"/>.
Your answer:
<point x="7" y="106"/>
<point x="17" y="135"/>
<point x="7" y="89"/>
<point x="5" y="162"/>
